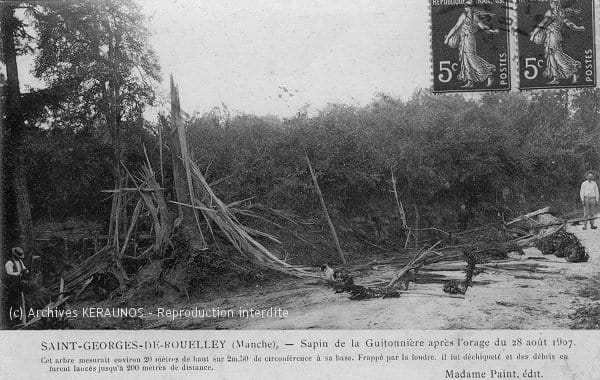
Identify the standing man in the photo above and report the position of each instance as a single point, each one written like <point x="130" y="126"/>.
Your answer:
<point x="589" y="198"/>
<point x="15" y="273"/>
<point x="14" y="266"/>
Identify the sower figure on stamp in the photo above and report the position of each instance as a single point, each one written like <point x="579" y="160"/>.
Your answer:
<point x="549" y="33"/>
<point x="589" y="198"/>
<point x="473" y="68"/>
<point x="15" y="273"/>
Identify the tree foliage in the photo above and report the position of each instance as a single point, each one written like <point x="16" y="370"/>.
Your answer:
<point x="97" y="55"/>
<point x="100" y="73"/>
<point x="443" y="149"/>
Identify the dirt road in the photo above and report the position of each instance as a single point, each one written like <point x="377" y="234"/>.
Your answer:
<point x="531" y="291"/>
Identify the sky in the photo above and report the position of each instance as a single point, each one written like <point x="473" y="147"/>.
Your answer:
<point x="273" y="57"/>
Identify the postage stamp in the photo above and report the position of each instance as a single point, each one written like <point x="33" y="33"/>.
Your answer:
<point x="556" y="43"/>
<point x="470" y="45"/>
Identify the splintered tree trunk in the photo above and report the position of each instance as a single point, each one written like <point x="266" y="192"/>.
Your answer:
<point x="15" y="128"/>
<point x="184" y="186"/>
<point x="187" y="223"/>
<point x="179" y="182"/>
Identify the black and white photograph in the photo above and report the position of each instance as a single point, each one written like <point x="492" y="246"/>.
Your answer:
<point x="271" y="167"/>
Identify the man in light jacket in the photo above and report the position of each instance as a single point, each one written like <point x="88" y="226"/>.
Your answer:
<point x="589" y="198"/>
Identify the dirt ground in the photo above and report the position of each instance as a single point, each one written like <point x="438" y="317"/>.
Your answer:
<point x="528" y="291"/>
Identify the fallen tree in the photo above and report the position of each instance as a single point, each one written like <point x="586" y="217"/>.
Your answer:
<point x="476" y="246"/>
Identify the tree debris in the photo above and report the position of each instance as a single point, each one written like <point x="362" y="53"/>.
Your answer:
<point x="325" y="212"/>
<point x="460" y="287"/>
<point x="564" y="244"/>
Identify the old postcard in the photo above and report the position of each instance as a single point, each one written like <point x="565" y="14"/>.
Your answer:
<point x="299" y="189"/>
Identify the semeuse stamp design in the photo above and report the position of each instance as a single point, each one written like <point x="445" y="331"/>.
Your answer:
<point x="470" y="45"/>
<point x="556" y="43"/>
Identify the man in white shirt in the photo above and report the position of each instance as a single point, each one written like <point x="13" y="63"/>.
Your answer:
<point x="589" y="198"/>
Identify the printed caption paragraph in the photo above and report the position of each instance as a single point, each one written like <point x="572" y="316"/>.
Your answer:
<point x="432" y="355"/>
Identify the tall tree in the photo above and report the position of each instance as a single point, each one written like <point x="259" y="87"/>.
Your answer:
<point x="14" y="41"/>
<point x="98" y="53"/>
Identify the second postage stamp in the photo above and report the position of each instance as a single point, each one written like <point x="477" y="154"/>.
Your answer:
<point x="556" y="43"/>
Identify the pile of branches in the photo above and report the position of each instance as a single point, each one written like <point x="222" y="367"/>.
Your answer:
<point x="145" y="200"/>
<point x="477" y="246"/>
<point x="148" y="197"/>
<point x="151" y="202"/>
<point x="343" y="283"/>
<point x="563" y="244"/>
<point x="491" y="241"/>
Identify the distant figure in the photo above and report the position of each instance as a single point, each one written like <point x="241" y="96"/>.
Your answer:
<point x="589" y="198"/>
<point x="15" y="273"/>
<point x="327" y="271"/>
<point x="335" y="274"/>
<point x="463" y="217"/>
<point x="14" y="266"/>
